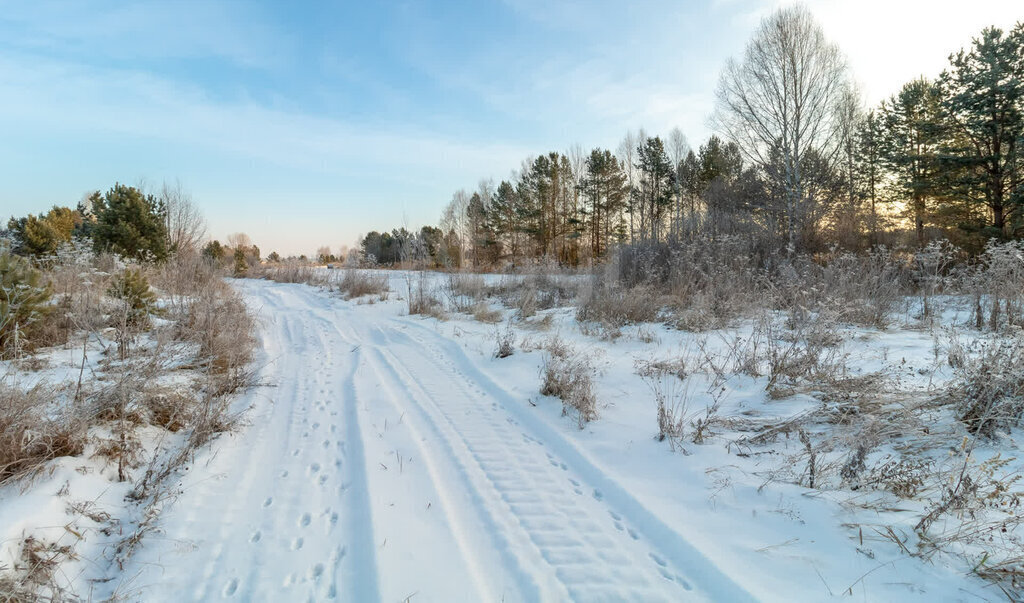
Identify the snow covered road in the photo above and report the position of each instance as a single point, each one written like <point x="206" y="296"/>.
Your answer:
<point x="382" y="463"/>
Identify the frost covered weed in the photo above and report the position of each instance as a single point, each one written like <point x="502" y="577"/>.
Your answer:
<point x="672" y="394"/>
<point x="997" y="284"/>
<point x="482" y="312"/>
<point x="505" y="341"/>
<point x="569" y="376"/>
<point x="988" y="389"/>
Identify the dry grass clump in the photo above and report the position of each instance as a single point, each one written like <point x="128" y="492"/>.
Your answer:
<point x="482" y="312"/>
<point x="358" y="283"/>
<point x="505" y="341"/>
<point x="36" y="575"/>
<point x="464" y="289"/>
<point x="422" y="299"/>
<point x="615" y="307"/>
<point x="569" y="376"/>
<point x="30" y="436"/>
<point x="291" y="272"/>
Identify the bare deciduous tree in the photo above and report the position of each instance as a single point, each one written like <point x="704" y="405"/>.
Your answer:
<point x="677" y="148"/>
<point x="239" y="240"/>
<point x="781" y="102"/>
<point x="186" y="226"/>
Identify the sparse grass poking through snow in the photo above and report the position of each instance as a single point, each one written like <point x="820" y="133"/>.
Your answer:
<point x="422" y="298"/>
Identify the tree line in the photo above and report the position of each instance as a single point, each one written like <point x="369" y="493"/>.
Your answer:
<point x="798" y="162"/>
<point x="124" y="220"/>
<point x="133" y="224"/>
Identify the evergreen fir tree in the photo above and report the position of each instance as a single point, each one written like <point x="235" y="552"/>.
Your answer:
<point x="130" y="224"/>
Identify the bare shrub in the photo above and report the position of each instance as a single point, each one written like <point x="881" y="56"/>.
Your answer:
<point x="568" y="375"/>
<point x="614" y="306"/>
<point x="526" y="302"/>
<point x="291" y="272"/>
<point x="221" y="325"/>
<point x="358" y="283"/>
<point x="862" y="289"/>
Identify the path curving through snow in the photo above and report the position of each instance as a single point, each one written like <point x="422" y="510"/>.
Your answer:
<point x="381" y="463"/>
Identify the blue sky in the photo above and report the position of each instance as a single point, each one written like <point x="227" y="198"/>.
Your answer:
<point x="308" y="123"/>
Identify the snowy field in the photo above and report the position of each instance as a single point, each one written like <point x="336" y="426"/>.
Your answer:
<point x="394" y="457"/>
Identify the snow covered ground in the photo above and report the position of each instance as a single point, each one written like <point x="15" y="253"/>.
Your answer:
<point x="393" y="457"/>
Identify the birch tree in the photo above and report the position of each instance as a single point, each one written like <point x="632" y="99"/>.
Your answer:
<point x="783" y="99"/>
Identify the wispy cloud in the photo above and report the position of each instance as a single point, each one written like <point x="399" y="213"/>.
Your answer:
<point x="146" y="30"/>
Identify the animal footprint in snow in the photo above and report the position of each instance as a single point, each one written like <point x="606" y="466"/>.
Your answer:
<point x="314" y="468"/>
<point x="230" y="588"/>
<point x="297" y="544"/>
<point x="267" y="502"/>
<point x="304" y="520"/>
<point x="598" y="495"/>
<point x="256" y="537"/>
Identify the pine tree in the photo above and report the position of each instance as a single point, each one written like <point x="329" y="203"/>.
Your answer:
<point x="656" y="183"/>
<point x="910" y="146"/>
<point x="869" y="169"/>
<point x="23" y="302"/>
<point x="604" y="192"/>
<point x="130" y="224"/>
<point x="40" y="236"/>
<point x="983" y="105"/>
<point x="132" y="288"/>
<point x="241" y="267"/>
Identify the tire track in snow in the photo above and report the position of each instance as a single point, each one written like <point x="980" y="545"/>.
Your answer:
<point x="362" y="575"/>
<point x="477" y="534"/>
<point x="506" y="441"/>
<point x="564" y="540"/>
